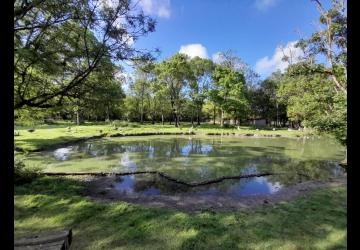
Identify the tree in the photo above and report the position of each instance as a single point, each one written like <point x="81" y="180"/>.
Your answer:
<point x="58" y="44"/>
<point x="228" y="92"/>
<point x="99" y="96"/>
<point x="200" y="84"/>
<point x="230" y="59"/>
<point x="319" y="106"/>
<point x="330" y="41"/>
<point x="160" y="102"/>
<point x="175" y="73"/>
<point x="264" y="101"/>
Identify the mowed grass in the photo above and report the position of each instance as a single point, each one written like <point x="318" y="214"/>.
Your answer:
<point x="317" y="221"/>
<point x="49" y="135"/>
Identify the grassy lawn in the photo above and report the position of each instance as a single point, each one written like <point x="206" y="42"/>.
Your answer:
<point x="48" y="135"/>
<point x="317" y="221"/>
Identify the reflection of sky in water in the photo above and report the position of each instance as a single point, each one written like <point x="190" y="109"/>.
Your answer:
<point x="190" y="148"/>
<point x="126" y="162"/>
<point x="244" y="187"/>
<point x="62" y="154"/>
<point x="206" y="148"/>
<point x="126" y="185"/>
<point x="338" y="171"/>
<point x="194" y="159"/>
<point x="186" y="150"/>
<point x="257" y="185"/>
<point x="151" y="152"/>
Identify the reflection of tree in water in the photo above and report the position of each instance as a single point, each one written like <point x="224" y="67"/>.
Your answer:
<point x="143" y="183"/>
<point x="198" y="159"/>
<point x="299" y="171"/>
<point x="169" y="148"/>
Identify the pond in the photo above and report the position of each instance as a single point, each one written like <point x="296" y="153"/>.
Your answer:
<point x="193" y="159"/>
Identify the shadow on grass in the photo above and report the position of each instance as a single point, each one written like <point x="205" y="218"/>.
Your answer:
<point x="315" y="222"/>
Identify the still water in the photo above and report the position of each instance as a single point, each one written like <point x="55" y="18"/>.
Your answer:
<point x="200" y="158"/>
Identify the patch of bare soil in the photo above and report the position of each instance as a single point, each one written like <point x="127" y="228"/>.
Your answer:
<point x="102" y="189"/>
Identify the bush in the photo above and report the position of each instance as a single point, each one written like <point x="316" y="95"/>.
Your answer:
<point x="23" y="174"/>
<point x="226" y="125"/>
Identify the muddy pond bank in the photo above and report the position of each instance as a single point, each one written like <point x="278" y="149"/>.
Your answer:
<point x="103" y="189"/>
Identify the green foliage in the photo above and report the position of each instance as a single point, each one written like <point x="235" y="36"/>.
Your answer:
<point x="228" y="92"/>
<point x="23" y="174"/>
<point x="319" y="106"/>
<point x="60" y="44"/>
<point x="175" y="73"/>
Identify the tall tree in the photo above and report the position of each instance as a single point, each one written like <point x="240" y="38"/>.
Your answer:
<point x="330" y="41"/>
<point x="59" y="43"/>
<point x="175" y="73"/>
<point x="229" y="90"/>
<point x="201" y="83"/>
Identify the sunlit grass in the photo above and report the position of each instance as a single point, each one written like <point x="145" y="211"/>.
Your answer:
<point x="317" y="221"/>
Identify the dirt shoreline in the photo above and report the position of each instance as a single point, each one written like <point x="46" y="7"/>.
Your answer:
<point x="101" y="189"/>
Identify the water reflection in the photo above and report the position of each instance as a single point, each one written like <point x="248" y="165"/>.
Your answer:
<point x="62" y="154"/>
<point x="152" y="185"/>
<point x="197" y="159"/>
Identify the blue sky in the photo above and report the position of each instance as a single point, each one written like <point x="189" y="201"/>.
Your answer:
<point x="252" y="28"/>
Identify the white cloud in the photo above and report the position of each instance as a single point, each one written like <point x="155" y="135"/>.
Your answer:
<point x="129" y="40"/>
<point x="265" y="4"/>
<point x="193" y="50"/>
<point x="217" y="57"/>
<point x="160" y="8"/>
<point x="266" y="65"/>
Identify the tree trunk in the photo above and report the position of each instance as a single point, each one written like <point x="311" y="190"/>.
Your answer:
<point x="192" y="116"/>
<point x="107" y="113"/>
<point x="222" y="118"/>
<point x="176" y="119"/>
<point x="162" y="119"/>
<point x="277" y="114"/>
<point x="141" y="113"/>
<point x="77" y="117"/>
<point x="198" y="116"/>
<point x="214" y="114"/>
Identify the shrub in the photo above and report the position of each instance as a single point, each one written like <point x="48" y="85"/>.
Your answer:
<point x="23" y="174"/>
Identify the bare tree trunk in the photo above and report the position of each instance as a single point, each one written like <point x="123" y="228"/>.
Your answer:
<point x="77" y="117"/>
<point x="277" y="114"/>
<point x="214" y="114"/>
<point x="175" y="119"/>
<point x="142" y="111"/>
<point x="192" y="116"/>
<point x="222" y="118"/>
<point x="107" y="113"/>
<point x="198" y="116"/>
<point x="162" y="119"/>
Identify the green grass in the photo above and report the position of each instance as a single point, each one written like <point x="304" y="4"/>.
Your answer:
<point x="49" y="135"/>
<point x="317" y="221"/>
